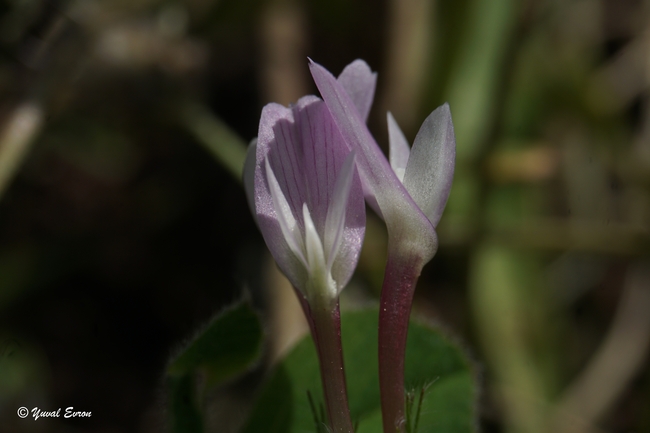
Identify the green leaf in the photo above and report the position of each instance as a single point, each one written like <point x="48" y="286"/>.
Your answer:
<point x="228" y="346"/>
<point x="432" y="358"/>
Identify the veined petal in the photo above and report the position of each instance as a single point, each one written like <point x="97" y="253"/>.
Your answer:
<point x="275" y="121"/>
<point x="430" y="168"/>
<point x="277" y="142"/>
<point x="323" y="152"/>
<point x="299" y="156"/>
<point x="335" y="221"/>
<point x="359" y="81"/>
<point x="324" y="155"/>
<point x="285" y="218"/>
<point x="403" y="217"/>
<point x="398" y="148"/>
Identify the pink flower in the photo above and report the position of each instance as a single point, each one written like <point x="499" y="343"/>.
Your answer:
<point x="307" y="196"/>
<point x="410" y="193"/>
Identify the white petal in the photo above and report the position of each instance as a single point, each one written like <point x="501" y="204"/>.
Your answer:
<point x="430" y="169"/>
<point x="399" y="150"/>
<point x="319" y="274"/>
<point x="335" y="221"/>
<point x="287" y="221"/>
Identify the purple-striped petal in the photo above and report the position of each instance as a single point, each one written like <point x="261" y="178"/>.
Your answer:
<point x="291" y="266"/>
<point x="286" y="220"/>
<point x="298" y="167"/>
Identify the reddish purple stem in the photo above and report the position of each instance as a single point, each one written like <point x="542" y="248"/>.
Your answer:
<point x="402" y="272"/>
<point x="325" y="323"/>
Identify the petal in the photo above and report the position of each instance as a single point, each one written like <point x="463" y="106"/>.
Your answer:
<point x="318" y="271"/>
<point x="403" y="217"/>
<point x="335" y="222"/>
<point x="265" y="208"/>
<point x="285" y="218"/>
<point x="359" y="81"/>
<point x="398" y="147"/>
<point x="430" y="168"/>
<point x="323" y="153"/>
<point x="300" y="153"/>
<point x="274" y="142"/>
<point x="278" y="133"/>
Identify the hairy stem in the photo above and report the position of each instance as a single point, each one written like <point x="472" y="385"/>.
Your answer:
<point x="402" y="272"/>
<point x="324" y="319"/>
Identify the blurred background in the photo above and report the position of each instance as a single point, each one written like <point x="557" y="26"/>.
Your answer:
<point x="124" y="225"/>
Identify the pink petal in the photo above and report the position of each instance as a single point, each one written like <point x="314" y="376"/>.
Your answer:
<point x="304" y="152"/>
<point x="359" y="81"/>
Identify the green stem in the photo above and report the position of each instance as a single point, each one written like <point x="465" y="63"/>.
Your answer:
<point x="402" y="272"/>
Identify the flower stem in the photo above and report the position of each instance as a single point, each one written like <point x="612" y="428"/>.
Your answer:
<point x="324" y="319"/>
<point x="402" y="272"/>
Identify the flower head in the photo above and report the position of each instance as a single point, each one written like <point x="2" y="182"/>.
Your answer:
<point x="410" y="193"/>
<point x="307" y="196"/>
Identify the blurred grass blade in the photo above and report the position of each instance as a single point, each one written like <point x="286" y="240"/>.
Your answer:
<point x="409" y="52"/>
<point x="17" y="135"/>
<point x="224" y="144"/>
<point x="475" y="78"/>
<point x="500" y="293"/>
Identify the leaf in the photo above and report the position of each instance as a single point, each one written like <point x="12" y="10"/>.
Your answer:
<point x="227" y="347"/>
<point x="432" y="358"/>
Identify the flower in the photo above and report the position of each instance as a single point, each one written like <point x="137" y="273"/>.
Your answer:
<point x="410" y="193"/>
<point x="307" y="196"/>
<point x="302" y="182"/>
